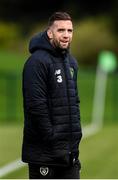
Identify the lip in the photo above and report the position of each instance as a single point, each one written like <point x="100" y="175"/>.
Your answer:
<point x="64" y="41"/>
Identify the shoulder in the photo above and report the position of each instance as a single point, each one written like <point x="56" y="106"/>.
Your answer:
<point x="37" y="58"/>
<point x="73" y="61"/>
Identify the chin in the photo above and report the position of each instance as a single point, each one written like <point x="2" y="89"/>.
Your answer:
<point x="64" y="47"/>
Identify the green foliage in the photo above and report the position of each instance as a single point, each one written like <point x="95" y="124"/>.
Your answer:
<point x="9" y="35"/>
<point x="90" y="37"/>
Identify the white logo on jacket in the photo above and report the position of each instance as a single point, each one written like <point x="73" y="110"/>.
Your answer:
<point x="58" y="75"/>
<point x="44" y="171"/>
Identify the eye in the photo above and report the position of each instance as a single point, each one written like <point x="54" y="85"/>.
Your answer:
<point x="60" y="30"/>
<point x="70" y="30"/>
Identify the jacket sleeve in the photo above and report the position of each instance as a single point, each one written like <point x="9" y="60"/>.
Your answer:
<point x="78" y="102"/>
<point x="77" y="93"/>
<point x="35" y="78"/>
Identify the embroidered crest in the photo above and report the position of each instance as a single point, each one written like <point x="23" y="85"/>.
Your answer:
<point x="71" y="71"/>
<point x="44" y="171"/>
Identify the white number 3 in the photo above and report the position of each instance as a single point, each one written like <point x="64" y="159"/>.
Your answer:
<point x="59" y="79"/>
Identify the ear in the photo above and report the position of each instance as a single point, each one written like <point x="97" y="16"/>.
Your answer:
<point x="49" y="33"/>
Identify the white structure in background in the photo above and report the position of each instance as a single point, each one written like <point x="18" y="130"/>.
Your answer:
<point x="107" y="63"/>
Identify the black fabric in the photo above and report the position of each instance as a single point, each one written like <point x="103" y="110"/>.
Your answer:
<point x="54" y="172"/>
<point x="52" y="129"/>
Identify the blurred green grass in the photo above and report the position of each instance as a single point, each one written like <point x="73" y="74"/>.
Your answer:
<point x="10" y="143"/>
<point x="98" y="153"/>
<point x="12" y="64"/>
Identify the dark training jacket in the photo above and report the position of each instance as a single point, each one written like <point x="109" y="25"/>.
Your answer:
<point x="52" y="130"/>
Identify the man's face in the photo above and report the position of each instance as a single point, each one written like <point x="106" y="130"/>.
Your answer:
<point x="60" y="33"/>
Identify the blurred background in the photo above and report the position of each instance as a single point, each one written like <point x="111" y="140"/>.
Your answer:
<point x="95" y="47"/>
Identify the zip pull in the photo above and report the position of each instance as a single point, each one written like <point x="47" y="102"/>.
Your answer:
<point x="72" y="159"/>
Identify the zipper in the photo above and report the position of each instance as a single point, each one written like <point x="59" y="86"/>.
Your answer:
<point x="69" y="109"/>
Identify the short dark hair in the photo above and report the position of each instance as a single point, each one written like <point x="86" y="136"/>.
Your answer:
<point x="58" y="16"/>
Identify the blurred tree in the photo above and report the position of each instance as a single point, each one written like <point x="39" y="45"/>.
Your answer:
<point x="27" y="10"/>
<point x="114" y="16"/>
<point x="92" y="8"/>
<point x="33" y="10"/>
<point x="30" y="11"/>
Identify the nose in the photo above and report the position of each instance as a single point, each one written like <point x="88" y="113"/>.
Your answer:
<point x="65" y="34"/>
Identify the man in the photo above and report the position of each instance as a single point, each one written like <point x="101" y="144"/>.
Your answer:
<point x="52" y="130"/>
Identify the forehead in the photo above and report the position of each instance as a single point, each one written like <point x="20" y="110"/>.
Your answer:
<point x="63" y="24"/>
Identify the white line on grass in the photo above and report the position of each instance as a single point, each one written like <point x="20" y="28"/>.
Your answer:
<point x="17" y="164"/>
<point x="90" y="130"/>
<point x="14" y="165"/>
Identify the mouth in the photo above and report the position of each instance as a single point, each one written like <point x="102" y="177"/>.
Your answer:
<point x="64" y="42"/>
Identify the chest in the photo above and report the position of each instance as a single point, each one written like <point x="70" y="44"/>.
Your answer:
<point x="62" y="77"/>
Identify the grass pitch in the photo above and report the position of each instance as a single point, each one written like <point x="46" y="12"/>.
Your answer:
<point x="98" y="153"/>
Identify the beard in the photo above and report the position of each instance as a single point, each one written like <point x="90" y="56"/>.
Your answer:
<point x="60" y="45"/>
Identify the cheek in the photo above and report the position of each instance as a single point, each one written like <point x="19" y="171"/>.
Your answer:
<point x="55" y="36"/>
<point x="71" y="36"/>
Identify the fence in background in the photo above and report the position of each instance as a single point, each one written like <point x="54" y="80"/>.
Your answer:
<point x="11" y="96"/>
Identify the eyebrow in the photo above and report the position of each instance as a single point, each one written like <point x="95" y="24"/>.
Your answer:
<point x="63" y="29"/>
